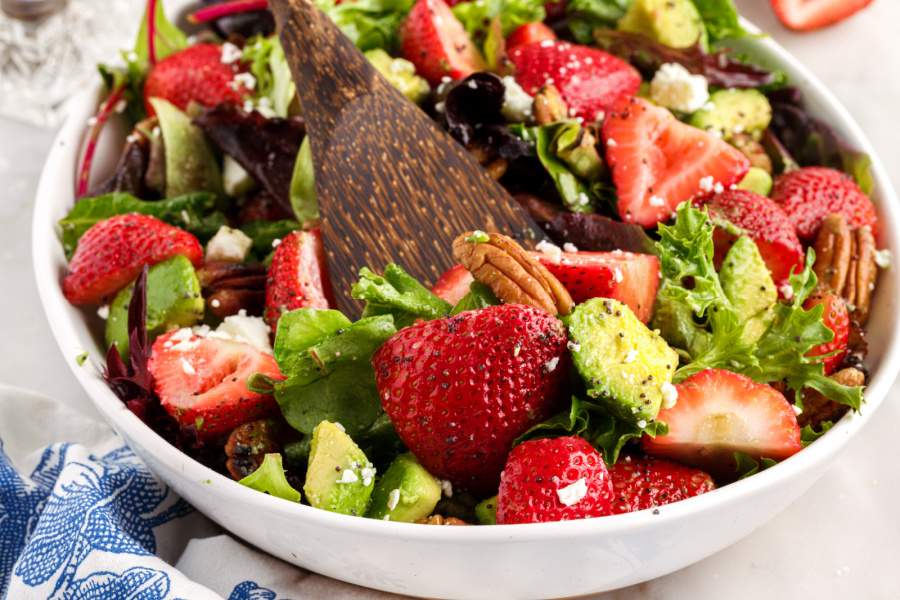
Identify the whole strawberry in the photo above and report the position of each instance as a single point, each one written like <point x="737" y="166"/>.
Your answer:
<point x="810" y="194"/>
<point x="460" y="390"/>
<point x="835" y="317"/>
<point x="642" y="483"/>
<point x="297" y="276"/>
<point x="589" y="80"/>
<point x="111" y="254"/>
<point x="554" y="479"/>
<point x="196" y="74"/>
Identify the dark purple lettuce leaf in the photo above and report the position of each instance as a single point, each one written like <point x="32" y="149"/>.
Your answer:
<point x="813" y="143"/>
<point x="590" y="232"/>
<point x="128" y="175"/>
<point x="647" y="56"/>
<point x="266" y="148"/>
<point x="472" y="116"/>
<point x="132" y="382"/>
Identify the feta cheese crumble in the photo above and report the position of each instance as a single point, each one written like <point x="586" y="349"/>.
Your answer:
<point x="228" y="245"/>
<point x="573" y="494"/>
<point x="676" y="88"/>
<point x="518" y="106"/>
<point x="883" y="258"/>
<point x="707" y="184"/>
<point x="446" y="488"/>
<point x="245" y="80"/>
<point x="631" y="356"/>
<point x="231" y="53"/>
<point x="551" y="364"/>
<point x="348" y="476"/>
<point x="393" y="499"/>
<point x="552" y="251"/>
<point x="787" y="291"/>
<point x="103" y="312"/>
<point x="244" y="328"/>
<point x="570" y="247"/>
<point x="187" y="367"/>
<point x="368" y="474"/>
<point x="669" y="395"/>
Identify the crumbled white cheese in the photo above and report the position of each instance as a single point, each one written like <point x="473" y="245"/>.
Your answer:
<point x="182" y="340"/>
<point x="187" y="367"/>
<point x="368" y="474"/>
<point x="707" y="184"/>
<point x="518" y="106"/>
<point x="393" y="499"/>
<point x="245" y="80"/>
<point x="447" y="488"/>
<point x="244" y="328"/>
<point x="657" y="201"/>
<point x="573" y="346"/>
<point x="551" y="364"/>
<point x="797" y="410"/>
<point x="570" y="247"/>
<point x="552" y="251"/>
<point x="669" y="395"/>
<point x="348" y="476"/>
<point x="572" y="494"/>
<point x="787" y="291"/>
<point x="676" y="88"/>
<point x="103" y="312"/>
<point x="883" y="258"/>
<point x="276" y="242"/>
<point x="228" y="245"/>
<point x="231" y="53"/>
<point x="631" y="356"/>
<point x="339" y="426"/>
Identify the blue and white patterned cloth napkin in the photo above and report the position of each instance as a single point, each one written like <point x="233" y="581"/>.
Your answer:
<point x="85" y="519"/>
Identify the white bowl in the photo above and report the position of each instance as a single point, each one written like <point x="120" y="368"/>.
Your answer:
<point x="512" y="561"/>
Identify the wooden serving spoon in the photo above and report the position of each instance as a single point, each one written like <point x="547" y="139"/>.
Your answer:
<point x="392" y="186"/>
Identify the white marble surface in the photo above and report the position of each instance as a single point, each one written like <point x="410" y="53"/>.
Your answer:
<point x="841" y="540"/>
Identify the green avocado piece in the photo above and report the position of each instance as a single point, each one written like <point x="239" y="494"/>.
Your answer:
<point x="173" y="300"/>
<point x="406" y="492"/>
<point x="748" y="284"/>
<point x="675" y="23"/>
<point x="486" y="511"/>
<point x="401" y="74"/>
<point x="339" y="477"/>
<point x="191" y="165"/>
<point x="675" y="322"/>
<point x="757" y="180"/>
<point x="625" y="366"/>
<point x="735" y="111"/>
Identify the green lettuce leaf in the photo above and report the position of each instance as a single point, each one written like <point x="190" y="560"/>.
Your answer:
<point x="193" y="212"/>
<point x="269" y="66"/>
<point x="398" y="294"/>
<point x="809" y="434"/>
<point x="368" y="23"/>
<point x="745" y="465"/>
<point x="270" y="478"/>
<point x="479" y="296"/>
<point x="586" y="15"/>
<point x="721" y="19"/>
<point x="264" y="234"/>
<point x="476" y="15"/>
<point x="298" y="330"/>
<point x="304" y="201"/>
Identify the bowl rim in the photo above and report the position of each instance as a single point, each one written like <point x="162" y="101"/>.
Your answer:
<point x="45" y="255"/>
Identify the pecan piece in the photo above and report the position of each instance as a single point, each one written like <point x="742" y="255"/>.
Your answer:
<point x="440" y="520"/>
<point x="513" y="274"/>
<point x="487" y="158"/>
<point x="230" y="287"/>
<point x="248" y="445"/>
<point x="817" y="408"/>
<point x="833" y="246"/>
<point x="862" y="274"/>
<point x="845" y="263"/>
<point x="549" y="106"/>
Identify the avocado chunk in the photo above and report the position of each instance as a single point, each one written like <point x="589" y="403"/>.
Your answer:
<point x="339" y="477"/>
<point x="757" y="180"/>
<point x="486" y="511"/>
<point x="173" y="300"/>
<point x="625" y="366"/>
<point x="406" y="492"/>
<point x="675" y="23"/>
<point x="236" y="180"/>
<point x="733" y="112"/>
<point x="401" y="74"/>
<point x="748" y="285"/>
<point x="191" y="165"/>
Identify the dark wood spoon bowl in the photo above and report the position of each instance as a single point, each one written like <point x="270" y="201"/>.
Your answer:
<point x="392" y="186"/>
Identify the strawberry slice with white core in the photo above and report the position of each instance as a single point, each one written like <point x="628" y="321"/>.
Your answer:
<point x="718" y="413"/>
<point x="453" y="284"/>
<point x="434" y="40"/>
<point x="658" y="162"/>
<point x="630" y="278"/>
<point x="202" y="381"/>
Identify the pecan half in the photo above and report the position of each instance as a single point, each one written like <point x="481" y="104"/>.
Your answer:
<point x="493" y="164"/>
<point x="549" y="106"/>
<point x="230" y="287"/>
<point x="513" y="274"/>
<point x="441" y="520"/>
<point x="845" y="263"/>
<point x="817" y="408"/>
<point x="248" y="445"/>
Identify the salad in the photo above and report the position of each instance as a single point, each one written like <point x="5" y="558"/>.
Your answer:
<point x="695" y="316"/>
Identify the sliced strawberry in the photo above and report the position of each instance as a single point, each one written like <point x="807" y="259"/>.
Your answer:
<point x="589" y="80"/>
<point x="765" y="223"/>
<point x="434" y="40"/>
<point x="111" y="254"/>
<point x="658" y="162"/>
<point x="625" y="276"/>
<point x="719" y="413"/>
<point x="806" y="15"/>
<point x="195" y="74"/>
<point x="202" y="382"/>
<point x="297" y="276"/>
<point x="642" y="483"/>
<point x="836" y="317"/>
<point x="810" y="194"/>
<point x="528" y="34"/>
<point x="453" y="284"/>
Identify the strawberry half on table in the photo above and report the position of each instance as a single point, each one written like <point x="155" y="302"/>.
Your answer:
<point x="553" y="479"/>
<point x="460" y="390"/>
<point x="111" y="254"/>
<point x="590" y="81"/>
<point x="298" y="277"/>
<point x="641" y="483"/>
<point x="202" y="381"/>
<point x="658" y="162"/>
<point x="434" y="40"/>
<point x="718" y="413"/>
<point x="806" y="15"/>
<point x="195" y="74"/>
